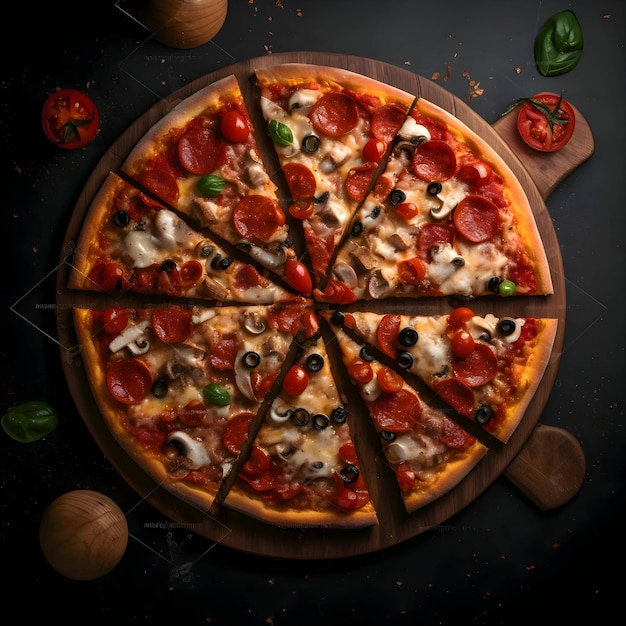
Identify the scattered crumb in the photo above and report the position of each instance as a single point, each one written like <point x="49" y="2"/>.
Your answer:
<point x="518" y="70"/>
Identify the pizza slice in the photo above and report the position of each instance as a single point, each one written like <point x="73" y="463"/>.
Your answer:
<point x="455" y="221"/>
<point x="303" y="469"/>
<point x="202" y="159"/>
<point x="331" y="128"/>
<point x="428" y="452"/>
<point x="179" y="387"/>
<point x="129" y="242"/>
<point x="486" y="368"/>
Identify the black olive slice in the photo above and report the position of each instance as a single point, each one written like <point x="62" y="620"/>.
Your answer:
<point x="365" y="355"/>
<point x="300" y="417"/>
<point x="339" y="415"/>
<point x="321" y="199"/>
<point x="160" y="388"/>
<point x="168" y="266"/>
<point x="349" y="473"/>
<point x="311" y="144"/>
<point x="251" y="359"/>
<point x="404" y="360"/>
<point x="493" y="284"/>
<point x="375" y="212"/>
<point x="483" y="414"/>
<point x="320" y="421"/>
<point x="314" y="362"/>
<point x="337" y="318"/>
<point x="408" y="337"/>
<point x="121" y="218"/>
<point x="357" y="229"/>
<point x="386" y="435"/>
<point x="434" y="188"/>
<point x="506" y="327"/>
<point x="397" y="196"/>
<point x="225" y="263"/>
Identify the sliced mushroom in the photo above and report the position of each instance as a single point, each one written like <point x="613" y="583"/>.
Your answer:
<point x="185" y="358"/>
<point x="191" y="449"/>
<point x="212" y="289"/>
<point x="254" y="322"/>
<point x="413" y="132"/>
<point x="364" y="256"/>
<point x="378" y="285"/>
<point x="278" y="415"/>
<point x="133" y="338"/>
<point x="346" y="274"/>
<point x="271" y="258"/>
<point x="401" y="240"/>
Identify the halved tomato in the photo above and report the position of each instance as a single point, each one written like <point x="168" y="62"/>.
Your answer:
<point x="546" y="121"/>
<point x="70" y="119"/>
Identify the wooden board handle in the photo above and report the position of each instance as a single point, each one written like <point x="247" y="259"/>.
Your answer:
<point x="550" y="468"/>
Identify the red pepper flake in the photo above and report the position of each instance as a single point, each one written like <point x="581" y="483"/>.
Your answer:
<point x="279" y="4"/>
<point x="530" y="568"/>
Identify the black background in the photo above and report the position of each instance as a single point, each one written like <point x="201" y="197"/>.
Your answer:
<point x="500" y="560"/>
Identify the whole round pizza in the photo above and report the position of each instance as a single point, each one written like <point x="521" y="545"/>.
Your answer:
<point x="311" y="334"/>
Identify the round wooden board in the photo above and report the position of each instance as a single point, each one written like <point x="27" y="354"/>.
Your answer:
<point x="395" y="525"/>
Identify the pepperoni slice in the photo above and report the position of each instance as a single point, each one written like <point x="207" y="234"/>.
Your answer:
<point x="258" y="217"/>
<point x="200" y="150"/>
<point x="386" y="121"/>
<point x="478" y="368"/>
<point x="457" y="394"/>
<point x="172" y="325"/>
<point x="246" y="277"/>
<point x="359" y="179"/>
<point x="285" y="316"/>
<point x="434" y="161"/>
<point x="387" y="334"/>
<point x="236" y="433"/>
<point x="129" y="380"/>
<point x="454" y="436"/>
<point x="435" y="234"/>
<point x="224" y="353"/>
<point x="161" y="183"/>
<point x="476" y="218"/>
<point x="191" y="272"/>
<point x="300" y="180"/>
<point x="396" y="412"/>
<point x="334" y="114"/>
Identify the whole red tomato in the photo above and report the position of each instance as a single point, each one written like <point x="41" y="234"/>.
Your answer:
<point x="70" y="119"/>
<point x="545" y="121"/>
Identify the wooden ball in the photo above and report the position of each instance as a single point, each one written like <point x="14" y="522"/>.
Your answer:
<point x="83" y="534"/>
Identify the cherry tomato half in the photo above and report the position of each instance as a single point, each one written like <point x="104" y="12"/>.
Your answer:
<point x="297" y="275"/>
<point x="70" y="119"/>
<point x="546" y="129"/>
<point x="296" y="380"/>
<point x="234" y="126"/>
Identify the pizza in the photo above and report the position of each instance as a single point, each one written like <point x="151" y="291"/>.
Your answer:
<point x="130" y="242"/>
<point x="487" y="369"/>
<point x="254" y="328"/>
<point x="428" y="452"/>
<point x="331" y="129"/>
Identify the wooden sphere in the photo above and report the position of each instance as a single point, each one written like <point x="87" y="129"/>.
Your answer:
<point x="83" y="534"/>
<point x="183" y="23"/>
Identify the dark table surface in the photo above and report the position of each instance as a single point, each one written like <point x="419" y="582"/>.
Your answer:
<point x="500" y="560"/>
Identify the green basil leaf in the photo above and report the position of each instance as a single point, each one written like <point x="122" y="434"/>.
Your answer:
<point x="30" y="421"/>
<point x="559" y="44"/>
<point x="217" y="394"/>
<point x="280" y="133"/>
<point x="210" y="185"/>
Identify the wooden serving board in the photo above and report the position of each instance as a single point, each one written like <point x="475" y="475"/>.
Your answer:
<point x="545" y="463"/>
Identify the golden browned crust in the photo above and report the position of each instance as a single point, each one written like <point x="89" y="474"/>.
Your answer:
<point x="281" y="515"/>
<point x="291" y="74"/>
<point x="518" y="200"/>
<point x="528" y="372"/>
<point x="445" y="478"/>
<point x="87" y="249"/>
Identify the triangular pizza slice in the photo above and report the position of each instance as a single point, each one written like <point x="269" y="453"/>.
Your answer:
<point x="179" y="387"/>
<point x="428" y="452"/>
<point x="130" y="242"/>
<point x="455" y="221"/>
<point x="303" y="468"/>
<point x="331" y="128"/>
<point x="202" y="159"/>
<point x="486" y="368"/>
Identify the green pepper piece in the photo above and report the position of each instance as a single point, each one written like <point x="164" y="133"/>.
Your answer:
<point x="280" y="133"/>
<point x="559" y="44"/>
<point x="217" y="394"/>
<point x="29" y="421"/>
<point x="211" y="185"/>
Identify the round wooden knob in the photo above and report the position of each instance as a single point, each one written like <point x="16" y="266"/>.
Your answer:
<point x="183" y="23"/>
